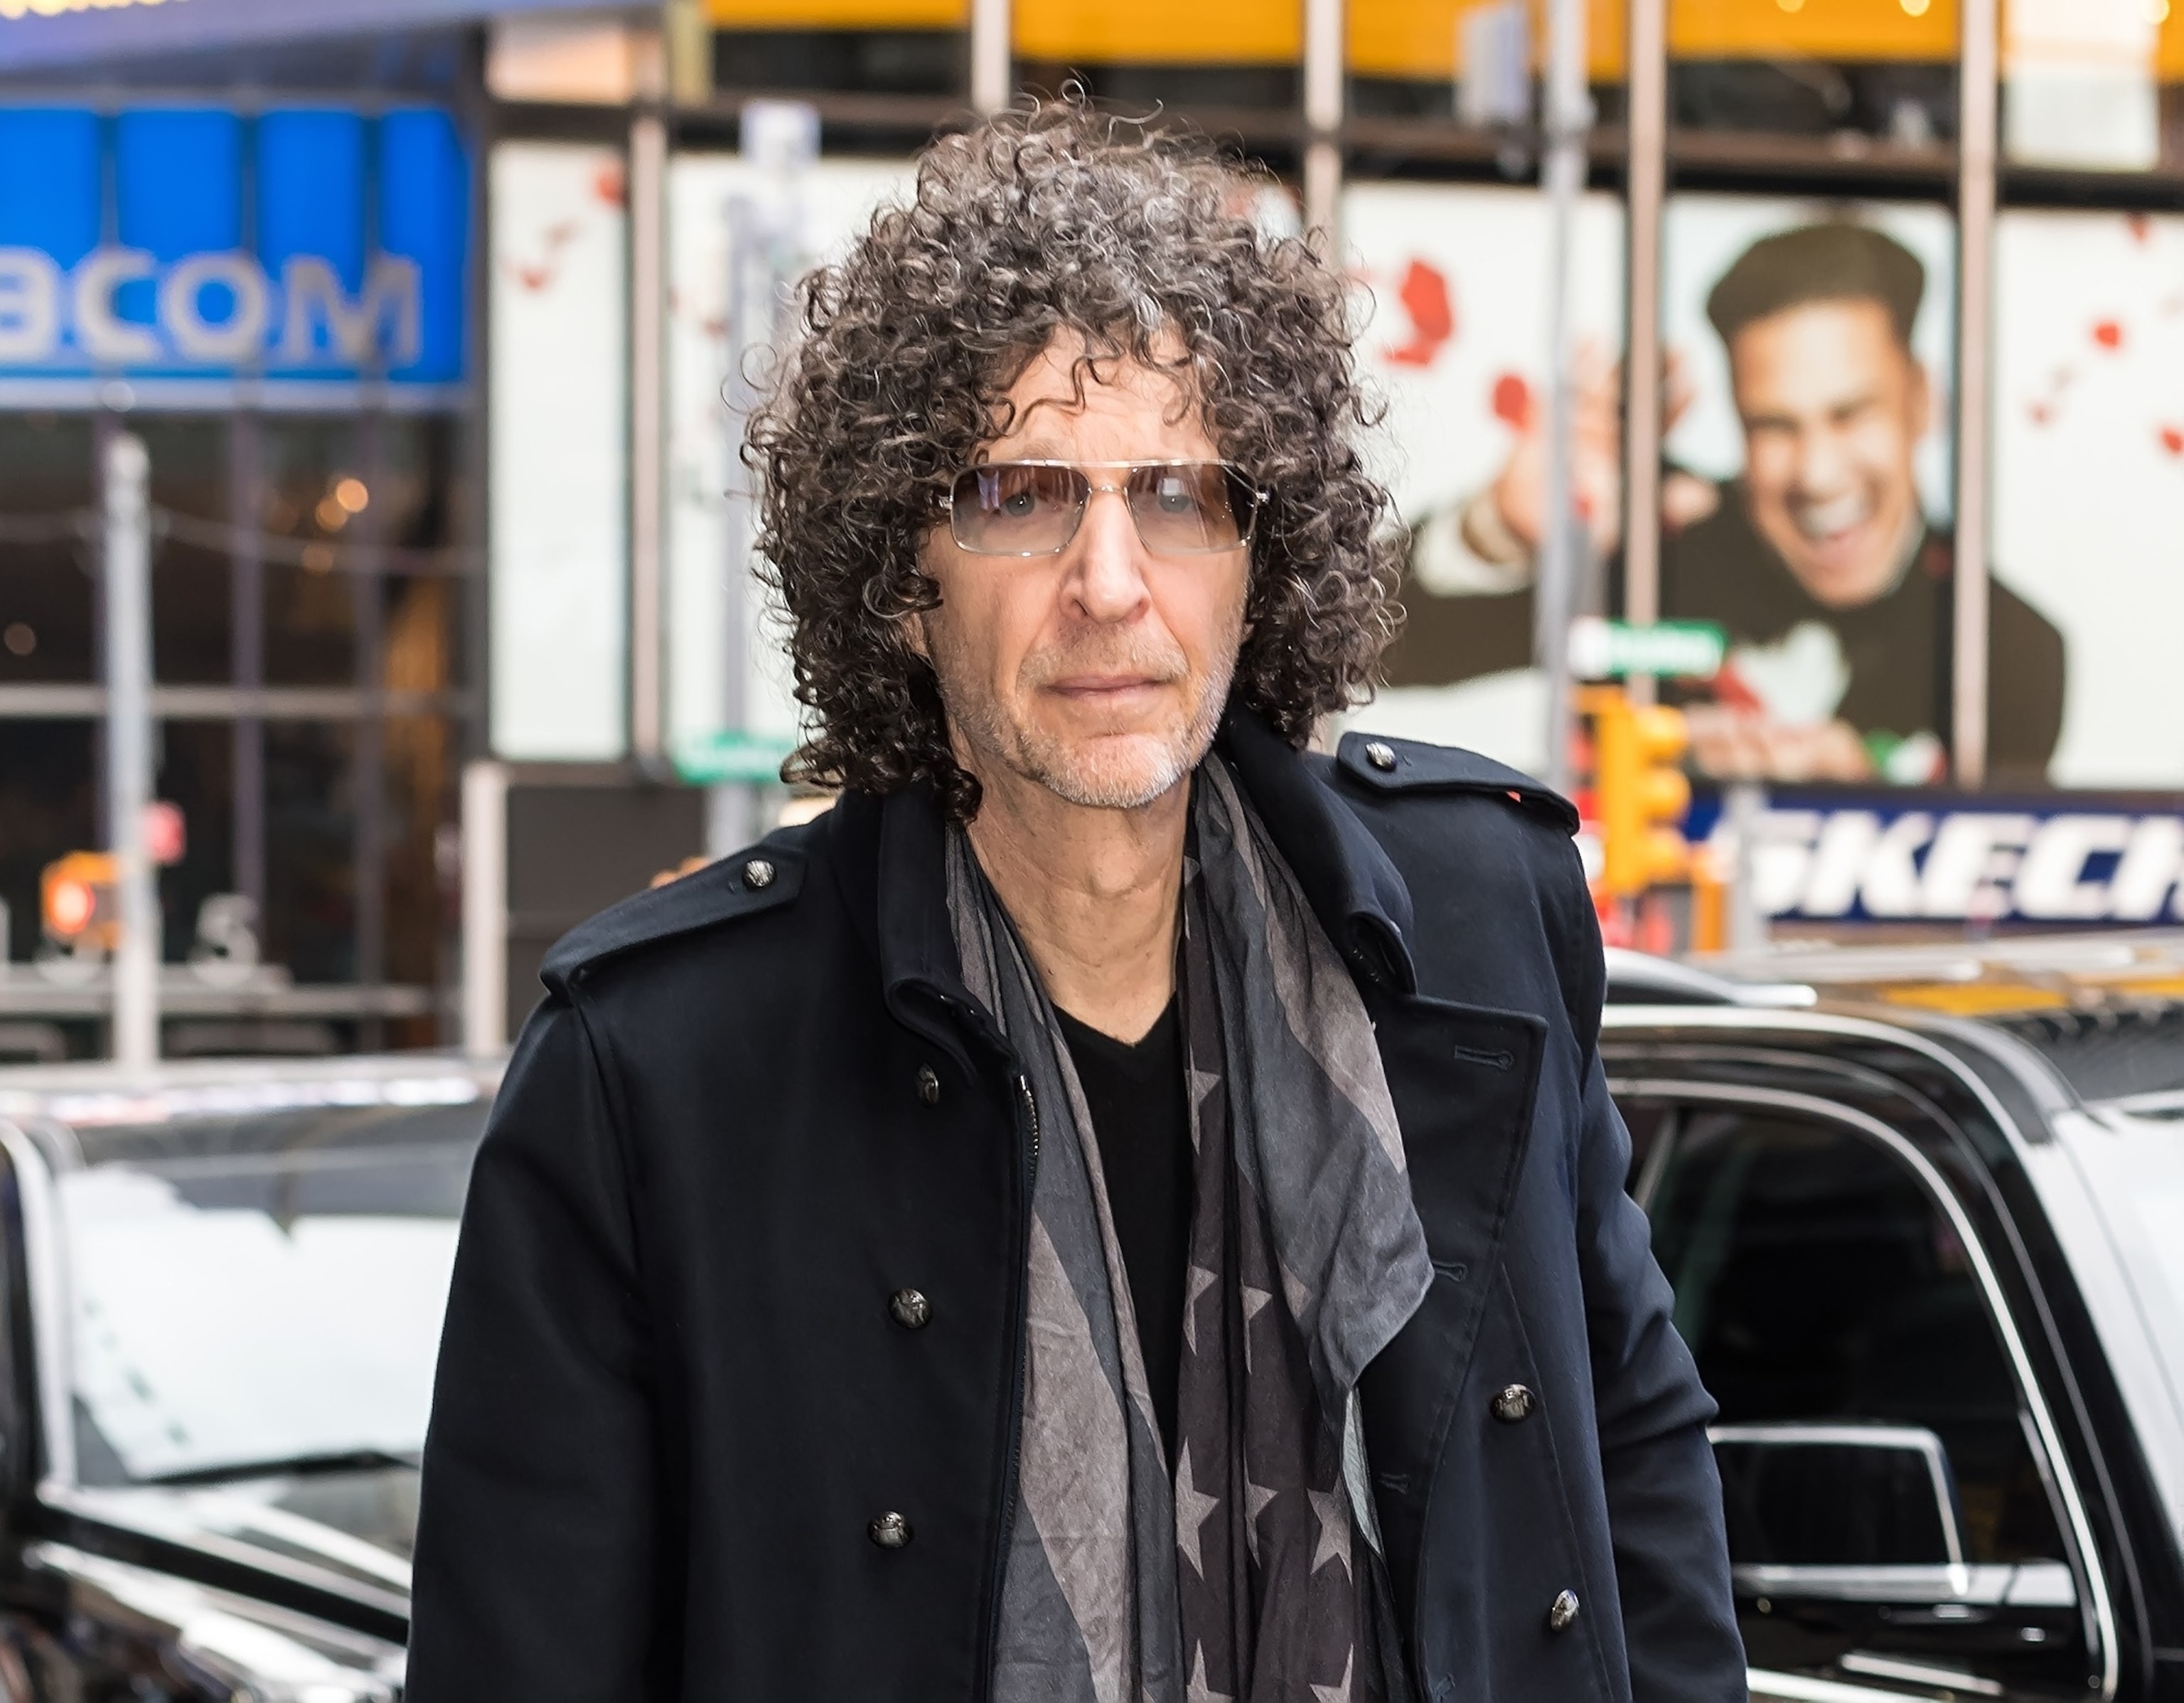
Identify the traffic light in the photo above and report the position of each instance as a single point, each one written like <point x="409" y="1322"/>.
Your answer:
<point x="1640" y="792"/>
<point x="78" y="902"/>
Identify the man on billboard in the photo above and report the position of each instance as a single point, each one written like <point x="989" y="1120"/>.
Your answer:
<point x="1836" y="589"/>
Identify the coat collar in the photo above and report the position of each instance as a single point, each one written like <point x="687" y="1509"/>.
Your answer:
<point x="1351" y="885"/>
<point x="892" y="864"/>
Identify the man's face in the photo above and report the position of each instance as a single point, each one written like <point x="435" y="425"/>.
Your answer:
<point x="1833" y="406"/>
<point x="1099" y="673"/>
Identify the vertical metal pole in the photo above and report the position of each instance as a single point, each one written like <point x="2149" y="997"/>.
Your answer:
<point x="991" y="45"/>
<point x="485" y="908"/>
<point x="246" y="465"/>
<point x="1642" y="426"/>
<point x="1979" y="25"/>
<point x="1568" y="116"/>
<point x="648" y="463"/>
<point x="126" y="470"/>
<point x="368" y="596"/>
<point x="1323" y="68"/>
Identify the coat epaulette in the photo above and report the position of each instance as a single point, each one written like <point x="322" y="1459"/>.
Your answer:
<point x="764" y="877"/>
<point x="1393" y="765"/>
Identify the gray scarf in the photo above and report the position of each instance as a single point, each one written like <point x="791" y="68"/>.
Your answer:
<point x="1251" y="1571"/>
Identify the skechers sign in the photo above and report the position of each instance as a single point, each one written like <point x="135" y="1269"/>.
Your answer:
<point x="1828" y="858"/>
<point x="182" y="252"/>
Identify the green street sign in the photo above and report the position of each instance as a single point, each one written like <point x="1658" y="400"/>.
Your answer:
<point x="1612" y="649"/>
<point x="733" y="754"/>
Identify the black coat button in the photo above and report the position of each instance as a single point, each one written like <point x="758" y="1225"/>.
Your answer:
<point x="892" y="1532"/>
<point x="1381" y="756"/>
<point x="1514" y="1403"/>
<point x="1562" y="1615"/>
<point x="912" y="1310"/>
<point x="757" y="874"/>
<point x="929" y="1085"/>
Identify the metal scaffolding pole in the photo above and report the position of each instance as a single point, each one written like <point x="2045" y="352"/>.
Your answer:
<point x="990" y="47"/>
<point x="125" y="470"/>
<point x="1568" y="113"/>
<point x="1323" y="30"/>
<point x="1978" y="21"/>
<point x="1641" y="427"/>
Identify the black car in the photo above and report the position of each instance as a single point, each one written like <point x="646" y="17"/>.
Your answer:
<point x="1926" y="1234"/>
<point x="1926" y="1237"/>
<point x="224" y="1299"/>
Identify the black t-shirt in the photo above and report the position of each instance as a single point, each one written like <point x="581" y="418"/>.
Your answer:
<point x="1896" y="648"/>
<point x="1134" y="1094"/>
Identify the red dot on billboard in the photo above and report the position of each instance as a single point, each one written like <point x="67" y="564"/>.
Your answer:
<point x="1513" y="400"/>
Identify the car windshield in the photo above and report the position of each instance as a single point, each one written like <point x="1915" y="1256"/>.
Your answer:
<point x="2114" y="1054"/>
<point x="259" y="1296"/>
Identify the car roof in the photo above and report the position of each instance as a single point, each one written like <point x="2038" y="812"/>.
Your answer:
<point x="2104" y="1012"/>
<point x="93" y="1094"/>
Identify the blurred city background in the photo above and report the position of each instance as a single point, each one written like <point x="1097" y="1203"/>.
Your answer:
<point x="435" y="322"/>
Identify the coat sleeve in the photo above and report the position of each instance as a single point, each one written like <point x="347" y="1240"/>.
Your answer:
<point x="1664" y="1493"/>
<point x="535" y="1575"/>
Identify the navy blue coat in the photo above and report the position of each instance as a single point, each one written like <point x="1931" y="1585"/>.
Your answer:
<point x="671" y="1397"/>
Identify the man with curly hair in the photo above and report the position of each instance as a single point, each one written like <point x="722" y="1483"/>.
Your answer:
<point x="1120" y="1208"/>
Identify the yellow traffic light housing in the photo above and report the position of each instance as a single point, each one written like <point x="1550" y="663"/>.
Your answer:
<point x="77" y="901"/>
<point x="1640" y="793"/>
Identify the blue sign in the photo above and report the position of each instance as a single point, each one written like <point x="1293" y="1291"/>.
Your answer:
<point x="1923" y="857"/>
<point x="185" y="251"/>
<point x="55" y="32"/>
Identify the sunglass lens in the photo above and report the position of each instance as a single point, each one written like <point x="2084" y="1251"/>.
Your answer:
<point x="1190" y="508"/>
<point x="1015" y="508"/>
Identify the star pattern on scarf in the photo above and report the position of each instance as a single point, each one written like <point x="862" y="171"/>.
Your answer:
<point x="1192" y="1510"/>
<point x="1198" y="1282"/>
<point x="1340" y="1691"/>
<point x="1255" y="1301"/>
<point x="1198" y="1691"/>
<point x="1256" y="1498"/>
<point x="1332" y="1514"/>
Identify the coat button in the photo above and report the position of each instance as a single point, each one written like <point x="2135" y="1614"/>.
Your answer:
<point x="912" y="1310"/>
<point x="892" y="1532"/>
<point x="757" y="874"/>
<point x="1563" y="1616"/>
<point x="1514" y="1403"/>
<point x="1380" y="756"/>
<point x="929" y="1085"/>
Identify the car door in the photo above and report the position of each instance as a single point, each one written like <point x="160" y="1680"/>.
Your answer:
<point x="1897" y="1522"/>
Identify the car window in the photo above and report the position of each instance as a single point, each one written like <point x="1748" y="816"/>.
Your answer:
<point x="1816" y="1280"/>
<point x="1842" y="1326"/>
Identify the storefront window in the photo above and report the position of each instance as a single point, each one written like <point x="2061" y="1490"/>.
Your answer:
<point x="859" y="46"/>
<point x="1846" y="72"/>
<point x="2094" y="85"/>
<point x="46" y="584"/>
<point x="1476" y="62"/>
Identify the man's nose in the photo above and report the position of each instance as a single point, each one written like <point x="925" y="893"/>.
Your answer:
<point x="1825" y="467"/>
<point x="1109" y="582"/>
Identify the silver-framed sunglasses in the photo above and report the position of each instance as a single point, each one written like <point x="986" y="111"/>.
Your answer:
<point x="1033" y="508"/>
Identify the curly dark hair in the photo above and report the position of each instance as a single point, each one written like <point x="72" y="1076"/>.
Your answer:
<point x="1046" y="220"/>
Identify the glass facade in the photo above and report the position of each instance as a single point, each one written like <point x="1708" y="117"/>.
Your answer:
<point x="411" y="511"/>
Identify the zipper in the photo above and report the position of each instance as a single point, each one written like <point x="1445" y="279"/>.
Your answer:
<point x="1028" y="1174"/>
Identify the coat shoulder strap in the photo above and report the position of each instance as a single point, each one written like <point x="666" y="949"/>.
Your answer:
<point x="1381" y="764"/>
<point x="764" y="877"/>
